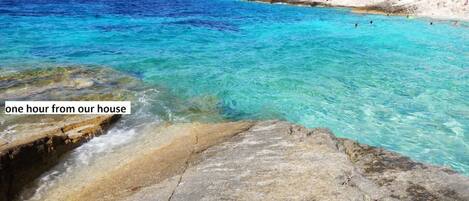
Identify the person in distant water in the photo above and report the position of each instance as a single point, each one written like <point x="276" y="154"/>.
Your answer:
<point x="371" y="21"/>
<point x="456" y="23"/>
<point x="356" y="25"/>
<point x="431" y="23"/>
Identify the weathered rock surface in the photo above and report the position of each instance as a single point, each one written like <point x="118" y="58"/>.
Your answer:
<point x="30" y="144"/>
<point x="270" y="160"/>
<point x="159" y="152"/>
<point x="280" y="161"/>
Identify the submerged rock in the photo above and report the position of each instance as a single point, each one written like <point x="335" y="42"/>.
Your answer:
<point x="269" y="160"/>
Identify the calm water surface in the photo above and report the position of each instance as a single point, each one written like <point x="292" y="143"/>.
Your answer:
<point x="397" y="83"/>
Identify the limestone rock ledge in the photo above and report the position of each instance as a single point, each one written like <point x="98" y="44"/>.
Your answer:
<point x="270" y="160"/>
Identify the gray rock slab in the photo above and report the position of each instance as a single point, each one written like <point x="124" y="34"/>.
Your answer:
<point x="279" y="161"/>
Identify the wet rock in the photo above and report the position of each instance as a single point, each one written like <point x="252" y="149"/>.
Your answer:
<point x="24" y="159"/>
<point x="30" y="144"/>
<point x="270" y="160"/>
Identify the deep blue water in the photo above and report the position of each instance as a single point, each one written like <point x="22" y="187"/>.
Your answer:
<point x="397" y="83"/>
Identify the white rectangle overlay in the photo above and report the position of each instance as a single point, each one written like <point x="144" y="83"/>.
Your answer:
<point x="67" y="107"/>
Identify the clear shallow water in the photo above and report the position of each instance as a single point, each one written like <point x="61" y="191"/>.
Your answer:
<point x="400" y="84"/>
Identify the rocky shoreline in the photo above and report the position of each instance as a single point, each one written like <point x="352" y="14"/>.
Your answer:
<point x="246" y="160"/>
<point x="440" y="9"/>
<point x="267" y="160"/>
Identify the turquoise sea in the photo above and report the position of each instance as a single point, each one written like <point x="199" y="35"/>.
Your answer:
<point x="397" y="83"/>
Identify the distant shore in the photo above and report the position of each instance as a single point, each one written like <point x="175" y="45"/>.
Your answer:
<point x="457" y="10"/>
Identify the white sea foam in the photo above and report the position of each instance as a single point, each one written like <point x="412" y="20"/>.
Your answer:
<point x="81" y="157"/>
<point x="76" y="163"/>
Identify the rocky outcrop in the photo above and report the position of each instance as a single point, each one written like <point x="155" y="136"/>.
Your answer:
<point x="438" y="9"/>
<point x="31" y="144"/>
<point x="269" y="160"/>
